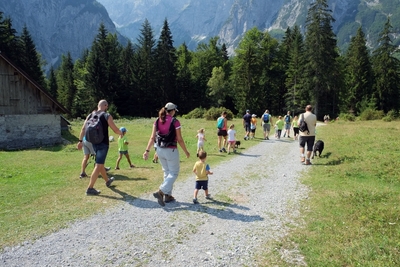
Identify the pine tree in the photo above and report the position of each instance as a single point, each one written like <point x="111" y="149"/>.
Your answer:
<point x="30" y="59"/>
<point x="294" y="69"/>
<point x="386" y="69"/>
<point x="10" y="44"/>
<point x="53" y="83"/>
<point x="165" y="70"/>
<point x="320" y="84"/>
<point x="184" y="81"/>
<point x="358" y="75"/>
<point x="65" y="81"/>
<point x="148" y="104"/>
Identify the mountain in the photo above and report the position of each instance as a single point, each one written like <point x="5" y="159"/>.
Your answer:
<point x="193" y="21"/>
<point x="58" y="26"/>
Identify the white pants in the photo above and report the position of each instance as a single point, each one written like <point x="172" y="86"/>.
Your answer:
<point x="169" y="159"/>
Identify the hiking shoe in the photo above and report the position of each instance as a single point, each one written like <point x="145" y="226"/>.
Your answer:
<point x="92" y="192"/>
<point x="160" y="197"/>
<point x="107" y="168"/>
<point x="208" y="196"/>
<point x="308" y="162"/>
<point x="195" y="201"/>
<point x="223" y="149"/>
<point x="288" y="136"/>
<point x="220" y="151"/>
<point x="83" y="175"/>
<point x="168" y="198"/>
<point x="109" y="182"/>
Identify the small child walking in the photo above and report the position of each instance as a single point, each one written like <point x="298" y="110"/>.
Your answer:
<point x="123" y="148"/>
<point x="231" y="138"/>
<point x="202" y="170"/>
<point x="279" y="125"/>
<point x="201" y="137"/>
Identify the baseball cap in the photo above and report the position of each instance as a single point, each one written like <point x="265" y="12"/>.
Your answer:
<point x="254" y="115"/>
<point x="123" y="129"/>
<point x="247" y="111"/>
<point x="171" y="106"/>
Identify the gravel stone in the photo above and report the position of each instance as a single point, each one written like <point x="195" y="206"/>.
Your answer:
<point x="256" y="196"/>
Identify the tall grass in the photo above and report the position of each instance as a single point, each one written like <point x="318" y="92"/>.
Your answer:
<point x="41" y="191"/>
<point x="352" y="215"/>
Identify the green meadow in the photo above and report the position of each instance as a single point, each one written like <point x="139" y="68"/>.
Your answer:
<point x="351" y="217"/>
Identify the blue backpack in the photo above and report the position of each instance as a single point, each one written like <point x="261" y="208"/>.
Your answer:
<point x="220" y="123"/>
<point x="287" y="119"/>
<point x="266" y="118"/>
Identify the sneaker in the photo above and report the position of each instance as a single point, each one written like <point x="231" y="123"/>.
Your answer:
<point x="303" y="159"/>
<point x="220" y="151"/>
<point x="107" y="168"/>
<point x="160" y="197"/>
<point x="208" y="196"/>
<point x="168" y="198"/>
<point x="223" y="149"/>
<point x="308" y="162"/>
<point x="288" y="136"/>
<point x="195" y="201"/>
<point x="234" y="151"/>
<point x="83" y="175"/>
<point x="92" y="191"/>
<point x="267" y="138"/>
<point x="109" y="182"/>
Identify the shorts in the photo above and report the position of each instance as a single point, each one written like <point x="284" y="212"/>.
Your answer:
<point x="287" y="126"/>
<point x="88" y="148"/>
<point x="296" y="130"/>
<point x="101" y="152"/>
<point x="253" y="130"/>
<point x="309" y="140"/>
<point x="124" y="152"/>
<point x="222" y="133"/>
<point x="201" y="184"/>
<point x="267" y="127"/>
<point x="232" y="143"/>
<point x="247" y="127"/>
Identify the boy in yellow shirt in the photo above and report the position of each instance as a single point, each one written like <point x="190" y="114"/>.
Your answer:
<point x="202" y="170"/>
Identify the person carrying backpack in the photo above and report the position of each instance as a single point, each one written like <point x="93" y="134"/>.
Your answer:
<point x="222" y="133"/>
<point x="266" y="121"/>
<point x="167" y="133"/>
<point x="100" y="148"/>
<point x="288" y="123"/>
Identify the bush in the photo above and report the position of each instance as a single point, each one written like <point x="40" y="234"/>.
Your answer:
<point x="196" y="113"/>
<point x="390" y="116"/>
<point x="347" y="117"/>
<point x="214" y="113"/>
<point x="371" y="114"/>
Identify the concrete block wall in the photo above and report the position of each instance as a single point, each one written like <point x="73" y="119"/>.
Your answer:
<point x="29" y="131"/>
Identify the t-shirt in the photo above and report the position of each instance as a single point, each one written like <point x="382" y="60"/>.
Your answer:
<point x="121" y="143"/>
<point x="253" y="123"/>
<point x="280" y="124"/>
<point x="200" y="138"/>
<point x="311" y="121"/>
<point x="201" y="172"/>
<point x="247" y="118"/>
<point x="163" y="128"/>
<point x="295" y="124"/>
<point x="231" y="135"/>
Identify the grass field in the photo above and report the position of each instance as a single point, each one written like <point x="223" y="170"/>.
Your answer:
<point x="41" y="191"/>
<point x="351" y="217"/>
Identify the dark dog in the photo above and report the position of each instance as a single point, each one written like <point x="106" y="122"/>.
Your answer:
<point x="318" y="147"/>
<point x="237" y="144"/>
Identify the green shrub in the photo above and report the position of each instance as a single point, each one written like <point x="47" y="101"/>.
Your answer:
<point x="371" y="114"/>
<point x="347" y="117"/>
<point x="196" y="113"/>
<point x="214" y="113"/>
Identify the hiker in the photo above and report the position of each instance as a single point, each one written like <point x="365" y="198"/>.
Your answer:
<point x="307" y="137"/>
<point x="288" y="123"/>
<point x="167" y="133"/>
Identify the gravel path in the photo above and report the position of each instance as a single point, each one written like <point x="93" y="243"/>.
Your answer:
<point x="256" y="196"/>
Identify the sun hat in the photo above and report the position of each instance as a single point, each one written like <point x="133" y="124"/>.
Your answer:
<point x="254" y="115"/>
<point x="123" y="129"/>
<point x="171" y="106"/>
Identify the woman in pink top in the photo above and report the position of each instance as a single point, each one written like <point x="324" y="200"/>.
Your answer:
<point x="167" y="133"/>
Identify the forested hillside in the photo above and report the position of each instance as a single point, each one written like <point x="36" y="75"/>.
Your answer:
<point x="265" y="73"/>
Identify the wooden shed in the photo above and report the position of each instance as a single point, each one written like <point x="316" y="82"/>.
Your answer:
<point x="29" y="116"/>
